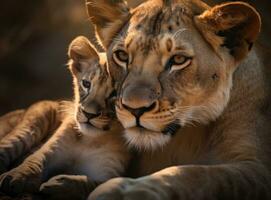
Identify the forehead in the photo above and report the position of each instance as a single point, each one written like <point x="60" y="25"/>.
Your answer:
<point x="94" y="69"/>
<point x="155" y="20"/>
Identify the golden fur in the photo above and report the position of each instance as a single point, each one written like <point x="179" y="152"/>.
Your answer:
<point x="88" y="142"/>
<point x="24" y="130"/>
<point x="9" y="121"/>
<point x="191" y="98"/>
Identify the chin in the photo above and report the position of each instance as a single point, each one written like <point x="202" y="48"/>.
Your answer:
<point x="89" y="129"/>
<point x="144" y="139"/>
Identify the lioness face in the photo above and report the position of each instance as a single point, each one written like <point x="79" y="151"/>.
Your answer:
<point x="93" y="87"/>
<point x="172" y="76"/>
<point x="171" y="71"/>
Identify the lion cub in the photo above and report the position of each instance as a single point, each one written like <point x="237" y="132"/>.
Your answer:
<point x="87" y="144"/>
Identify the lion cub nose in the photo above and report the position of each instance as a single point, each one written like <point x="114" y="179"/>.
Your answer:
<point x="137" y="112"/>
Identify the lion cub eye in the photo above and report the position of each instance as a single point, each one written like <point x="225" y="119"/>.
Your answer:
<point x="86" y="84"/>
<point x="178" y="62"/>
<point x="121" y="58"/>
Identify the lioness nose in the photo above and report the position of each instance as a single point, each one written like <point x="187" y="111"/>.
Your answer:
<point x="139" y="111"/>
<point x="136" y="97"/>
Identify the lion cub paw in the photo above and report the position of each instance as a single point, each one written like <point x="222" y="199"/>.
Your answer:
<point x="65" y="187"/>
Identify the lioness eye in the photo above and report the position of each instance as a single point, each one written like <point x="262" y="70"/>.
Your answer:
<point x="86" y="84"/>
<point x="121" y="57"/>
<point x="178" y="62"/>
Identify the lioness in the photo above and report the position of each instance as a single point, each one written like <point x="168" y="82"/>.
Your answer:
<point x="192" y="99"/>
<point x="87" y="143"/>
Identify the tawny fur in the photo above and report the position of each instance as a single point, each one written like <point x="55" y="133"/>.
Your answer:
<point x="24" y="130"/>
<point x="9" y="121"/>
<point x="219" y="99"/>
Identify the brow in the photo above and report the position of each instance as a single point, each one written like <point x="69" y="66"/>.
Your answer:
<point x="179" y="32"/>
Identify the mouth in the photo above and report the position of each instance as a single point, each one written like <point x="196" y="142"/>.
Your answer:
<point x="143" y="138"/>
<point x="171" y="129"/>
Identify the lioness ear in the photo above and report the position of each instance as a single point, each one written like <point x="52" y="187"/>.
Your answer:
<point x="81" y="49"/>
<point x="108" y="17"/>
<point x="236" y="23"/>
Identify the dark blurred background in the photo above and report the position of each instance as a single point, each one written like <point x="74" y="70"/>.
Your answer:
<point x="34" y="37"/>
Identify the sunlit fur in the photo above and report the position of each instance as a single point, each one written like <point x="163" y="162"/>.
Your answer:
<point x="93" y="100"/>
<point x="76" y="147"/>
<point x="222" y="149"/>
<point x="196" y="94"/>
<point x="23" y="131"/>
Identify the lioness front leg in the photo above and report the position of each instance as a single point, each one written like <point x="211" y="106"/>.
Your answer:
<point x="27" y="177"/>
<point x="244" y="180"/>
<point x="9" y="121"/>
<point x="38" y="121"/>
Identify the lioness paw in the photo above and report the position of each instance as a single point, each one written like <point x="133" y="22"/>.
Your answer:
<point x="125" y="188"/>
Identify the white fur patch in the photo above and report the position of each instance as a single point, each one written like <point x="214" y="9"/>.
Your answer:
<point x="143" y="139"/>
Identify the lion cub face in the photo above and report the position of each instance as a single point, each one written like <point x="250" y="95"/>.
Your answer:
<point x="174" y="61"/>
<point x="92" y="86"/>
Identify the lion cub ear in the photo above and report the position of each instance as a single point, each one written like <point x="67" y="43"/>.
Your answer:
<point x="108" y="17"/>
<point x="233" y="25"/>
<point x="80" y="50"/>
